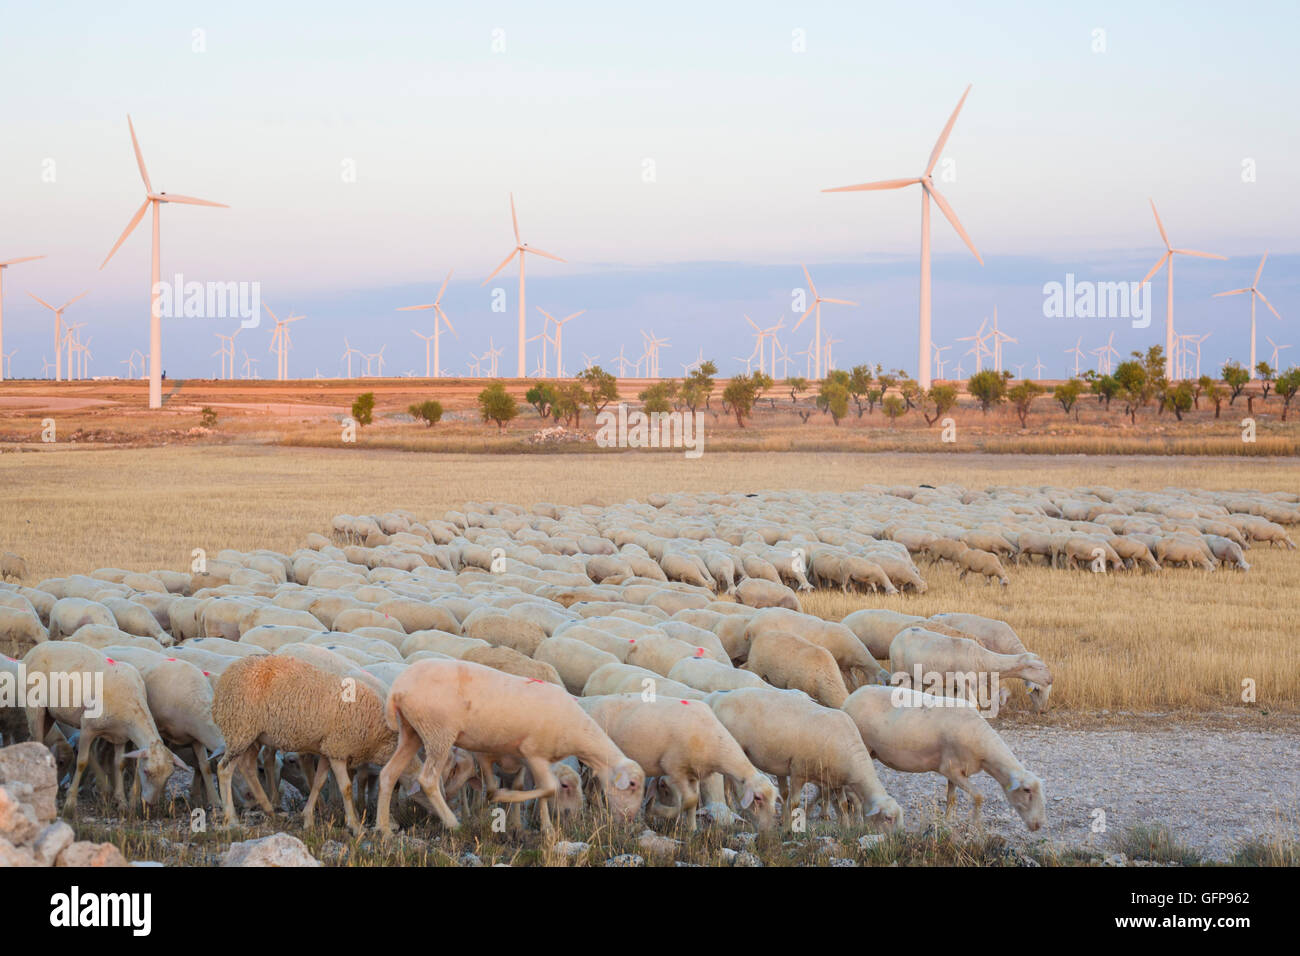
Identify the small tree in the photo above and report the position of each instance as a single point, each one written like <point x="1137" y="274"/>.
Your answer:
<point x="208" y="417"/>
<point x="1179" y="398"/>
<point x="1287" y="384"/>
<point x="1022" y="396"/>
<point x="1105" y="387"/>
<point x="797" y="385"/>
<point x="943" y="398"/>
<point x="363" y="408"/>
<point x="542" y="397"/>
<point x="1067" y="394"/>
<point x="893" y="406"/>
<point x="1134" y="386"/>
<point x="1236" y="378"/>
<point x="1216" y="395"/>
<point x="988" y="387"/>
<point x="910" y="390"/>
<point x="740" y="394"/>
<point x="658" y="397"/>
<point x="601" y="388"/>
<point x="698" y="386"/>
<point x="496" y="405"/>
<point x="429" y="412"/>
<point x="1266" y="375"/>
<point x="570" y="399"/>
<point x="859" y="384"/>
<point x="837" y="400"/>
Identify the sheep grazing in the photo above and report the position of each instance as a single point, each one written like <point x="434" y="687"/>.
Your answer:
<point x="288" y="704"/>
<point x="441" y="704"/>
<point x="786" y="661"/>
<point x="960" y="660"/>
<point x="854" y="660"/>
<point x="12" y="566"/>
<point x="756" y="592"/>
<point x="789" y="735"/>
<point x="682" y="742"/>
<point x="120" y="715"/>
<point x="986" y="563"/>
<point x="913" y="732"/>
<point x="876" y="627"/>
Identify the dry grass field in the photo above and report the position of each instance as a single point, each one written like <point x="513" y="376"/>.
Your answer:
<point x="1174" y="641"/>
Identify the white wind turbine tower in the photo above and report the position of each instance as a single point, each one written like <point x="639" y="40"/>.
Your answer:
<point x="155" y="322"/>
<point x="439" y="317"/>
<point x="129" y="362"/>
<point x="958" y="370"/>
<point x="1106" y="354"/>
<point x="1253" y="289"/>
<point x="227" y="351"/>
<point x="59" y="332"/>
<point x="1168" y="257"/>
<point x="348" y="352"/>
<point x="281" y="343"/>
<point x="521" y="250"/>
<point x="3" y="266"/>
<point x="475" y="369"/>
<point x="785" y="361"/>
<point x="493" y="353"/>
<point x="1276" y="348"/>
<point x="541" y="369"/>
<point x="250" y="365"/>
<point x="816" y="307"/>
<point x="749" y="360"/>
<point x="9" y="362"/>
<point x="770" y="332"/>
<point x="1039" y="367"/>
<point x="1182" y="353"/>
<point x="939" y="359"/>
<point x="999" y="337"/>
<point x="622" y="362"/>
<point x="427" y="340"/>
<point x="377" y="357"/>
<point x="928" y="190"/>
<point x="84" y="355"/>
<point x="808" y="359"/>
<point x="588" y="361"/>
<point x="1077" y="352"/>
<point x="760" y="336"/>
<point x="652" y="345"/>
<point x="70" y="338"/>
<point x="559" y="333"/>
<point x="46" y="365"/>
<point x="979" y="349"/>
<point x="830" y="355"/>
<point x="1020" y="371"/>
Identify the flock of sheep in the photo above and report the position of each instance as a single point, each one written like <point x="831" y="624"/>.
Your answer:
<point x="650" y="656"/>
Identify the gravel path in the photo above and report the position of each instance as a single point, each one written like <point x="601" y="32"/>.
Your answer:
<point x="1212" y="788"/>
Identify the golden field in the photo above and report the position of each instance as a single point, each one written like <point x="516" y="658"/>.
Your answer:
<point x="1177" y="640"/>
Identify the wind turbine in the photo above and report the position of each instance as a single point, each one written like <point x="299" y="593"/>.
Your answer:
<point x="770" y="332"/>
<point x="439" y="317"/>
<point x="830" y="358"/>
<point x="1168" y="257"/>
<point x="588" y="360"/>
<point x="521" y="250"/>
<point x="688" y="367"/>
<point x="1020" y="371"/>
<point x="1276" y="348"/>
<point x="46" y="365"/>
<point x="249" y="365"/>
<point x="155" y="323"/>
<point x="1199" y="341"/>
<point x="1077" y="352"/>
<point x="979" y="349"/>
<point x="494" y="353"/>
<point x="761" y="336"/>
<point x="348" y="352"/>
<point x="58" y="332"/>
<point x="9" y="361"/>
<point x="70" y="338"/>
<point x="3" y="266"/>
<point x="559" y="331"/>
<point x="1106" y="354"/>
<point x="227" y="350"/>
<point x="928" y="190"/>
<point x="817" y="324"/>
<point x="1039" y="367"/>
<point x="998" y="338"/>
<point x="541" y="369"/>
<point x="281" y="343"/>
<point x="427" y="339"/>
<point x="938" y="358"/>
<point x="1253" y="289"/>
<point x="84" y="355"/>
<point x="622" y="362"/>
<point x="378" y="357"/>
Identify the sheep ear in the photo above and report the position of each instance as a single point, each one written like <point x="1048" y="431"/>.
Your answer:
<point x="1015" y="781"/>
<point x="134" y="755"/>
<point x="622" y="781"/>
<point x="747" y="799"/>
<point x="180" y="764"/>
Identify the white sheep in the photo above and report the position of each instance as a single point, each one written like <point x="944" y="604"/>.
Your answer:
<point x="960" y="659"/>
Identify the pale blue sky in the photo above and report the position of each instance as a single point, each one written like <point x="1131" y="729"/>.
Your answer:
<point x="1056" y="152"/>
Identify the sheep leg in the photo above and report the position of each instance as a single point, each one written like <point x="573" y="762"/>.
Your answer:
<point x="688" y="789"/>
<point x="515" y="819"/>
<point x="272" y="771"/>
<point x="340" y="768"/>
<point x="248" y="767"/>
<point x="119" y="758"/>
<point x="317" y="781"/>
<point x="83" y="759"/>
<point x="225" y="771"/>
<point x="408" y="745"/>
<point x="205" y="770"/>
<point x="547" y="787"/>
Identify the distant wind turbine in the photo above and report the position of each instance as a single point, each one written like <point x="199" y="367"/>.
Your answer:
<point x="439" y="317"/>
<point x="559" y="332"/>
<point x="3" y="266"/>
<point x="1276" y="348"/>
<point x="1039" y="367"/>
<point x="348" y="352"/>
<point x="1253" y="289"/>
<point x="59" y="332"/>
<point x="928" y="190"/>
<point x="1077" y="352"/>
<point x="155" y="320"/>
<point x="281" y="343"/>
<point x="816" y="308"/>
<point x="521" y="250"/>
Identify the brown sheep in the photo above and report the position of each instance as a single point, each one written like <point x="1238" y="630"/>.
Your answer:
<point x="789" y="662"/>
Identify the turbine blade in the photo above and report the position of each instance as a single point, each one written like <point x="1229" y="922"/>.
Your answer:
<point x="42" y="302"/>
<point x="1230" y="292"/>
<point x="191" y="201"/>
<point x="802" y="317"/>
<point x="947" y="130"/>
<point x="14" y="262"/>
<point x="1260" y="270"/>
<point x="135" y="221"/>
<point x="1202" y="255"/>
<point x="443" y="314"/>
<point x="812" y="288"/>
<point x="505" y="263"/>
<point x="514" y="219"/>
<point x="867" y="187"/>
<point x="1163" y="235"/>
<point x="1155" y="268"/>
<point x="1267" y="303"/>
<point x="438" y="298"/>
<point x="840" y="301"/>
<point x="272" y="314"/>
<point x="952" y="218"/>
<point x="415" y="308"/>
<point x="87" y="292"/>
<point x="539" y="252"/>
<point x="139" y="157"/>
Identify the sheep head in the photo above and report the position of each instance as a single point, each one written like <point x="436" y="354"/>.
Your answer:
<point x="156" y="766"/>
<point x="624" y="786"/>
<point x="1025" y="793"/>
<point x="886" y="811"/>
<point x="759" y="800"/>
